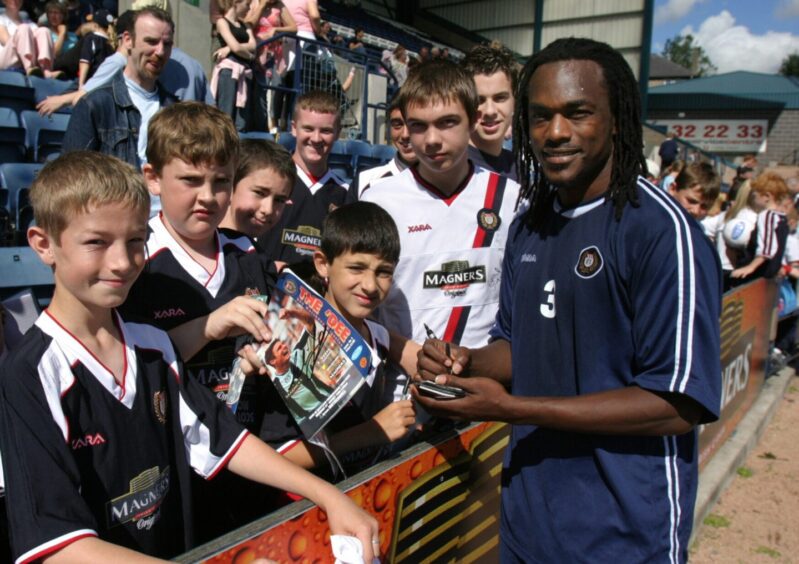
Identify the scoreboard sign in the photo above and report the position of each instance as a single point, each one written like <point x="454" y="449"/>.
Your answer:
<point x="722" y="135"/>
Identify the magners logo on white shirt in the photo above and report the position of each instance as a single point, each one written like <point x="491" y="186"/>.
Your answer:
<point x="455" y="277"/>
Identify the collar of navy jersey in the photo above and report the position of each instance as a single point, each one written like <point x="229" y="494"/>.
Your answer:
<point x="313" y="186"/>
<point x="161" y="239"/>
<point x="74" y="350"/>
<point x="580" y="209"/>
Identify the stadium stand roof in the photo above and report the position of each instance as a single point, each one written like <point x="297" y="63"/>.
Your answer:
<point x="661" y="68"/>
<point x="735" y="90"/>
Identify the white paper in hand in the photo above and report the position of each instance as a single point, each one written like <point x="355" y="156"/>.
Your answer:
<point x="348" y="550"/>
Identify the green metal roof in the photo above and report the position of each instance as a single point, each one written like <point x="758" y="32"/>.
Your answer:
<point x="734" y="90"/>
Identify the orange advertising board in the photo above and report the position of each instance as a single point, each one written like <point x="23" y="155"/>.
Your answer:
<point x="746" y="316"/>
<point x="439" y="501"/>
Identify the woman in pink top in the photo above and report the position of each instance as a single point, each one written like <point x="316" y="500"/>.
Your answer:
<point x="268" y="18"/>
<point x="306" y="16"/>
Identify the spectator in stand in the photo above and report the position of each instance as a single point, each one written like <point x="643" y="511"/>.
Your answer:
<point x="714" y="219"/>
<point x="24" y="44"/>
<point x="668" y="150"/>
<point x="435" y="53"/>
<point x="269" y="18"/>
<point x="356" y="43"/>
<point x="763" y="256"/>
<point x="231" y="81"/>
<point x="399" y="64"/>
<point x="306" y="16"/>
<point x="403" y="158"/>
<point x="696" y="189"/>
<point x="113" y="118"/>
<point x="670" y="174"/>
<point x="445" y="53"/>
<point x="63" y="39"/>
<point x="95" y="48"/>
<point x="495" y="75"/>
<point x="743" y="173"/>
<point x="183" y="75"/>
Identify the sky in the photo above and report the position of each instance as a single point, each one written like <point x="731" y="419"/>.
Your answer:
<point x="752" y="35"/>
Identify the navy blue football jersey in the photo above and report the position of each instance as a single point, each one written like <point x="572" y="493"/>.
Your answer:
<point x="174" y="289"/>
<point x="590" y="303"/>
<point x="84" y="455"/>
<point x="298" y="233"/>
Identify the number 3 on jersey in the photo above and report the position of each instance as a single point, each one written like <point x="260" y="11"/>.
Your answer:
<point x="548" y="308"/>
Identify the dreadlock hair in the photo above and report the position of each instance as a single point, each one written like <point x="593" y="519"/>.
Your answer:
<point x="625" y="107"/>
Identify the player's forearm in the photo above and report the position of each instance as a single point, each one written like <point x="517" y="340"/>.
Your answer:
<point x="257" y="461"/>
<point x="92" y="549"/>
<point x="626" y="411"/>
<point x="492" y="361"/>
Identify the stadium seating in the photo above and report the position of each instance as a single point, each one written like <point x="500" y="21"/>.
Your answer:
<point x="44" y="133"/>
<point x="12" y="137"/>
<point x="15" y="177"/>
<point x="339" y="160"/>
<point x="44" y="87"/>
<point x="288" y="141"/>
<point x="20" y="268"/>
<point x="257" y="135"/>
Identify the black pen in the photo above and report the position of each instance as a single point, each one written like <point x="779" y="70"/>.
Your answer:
<point x="431" y="335"/>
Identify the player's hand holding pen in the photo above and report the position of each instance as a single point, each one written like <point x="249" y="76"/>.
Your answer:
<point x="437" y="357"/>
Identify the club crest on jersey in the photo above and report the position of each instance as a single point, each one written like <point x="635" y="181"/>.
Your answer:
<point x="159" y="406"/>
<point x="305" y="239"/>
<point x="455" y="277"/>
<point x="488" y="219"/>
<point x="589" y="263"/>
<point x="142" y="502"/>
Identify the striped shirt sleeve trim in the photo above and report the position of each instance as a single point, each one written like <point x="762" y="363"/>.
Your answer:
<point x="55" y="545"/>
<point x="228" y="455"/>
<point x="684" y="331"/>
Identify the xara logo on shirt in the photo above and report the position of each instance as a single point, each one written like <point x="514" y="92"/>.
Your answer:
<point x="142" y="501"/>
<point x="455" y="277"/>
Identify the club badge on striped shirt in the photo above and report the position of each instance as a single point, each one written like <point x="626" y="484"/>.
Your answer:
<point x="488" y="219"/>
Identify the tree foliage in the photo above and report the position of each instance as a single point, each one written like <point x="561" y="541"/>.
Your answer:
<point x="682" y="50"/>
<point x="790" y="65"/>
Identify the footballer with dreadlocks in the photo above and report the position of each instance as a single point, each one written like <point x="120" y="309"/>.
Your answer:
<point x="605" y="352"/>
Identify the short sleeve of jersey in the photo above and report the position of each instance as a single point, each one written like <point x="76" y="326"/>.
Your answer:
<point x="767" y="240"/>
<point x="502" y="325"/>
<point x="42" y="478"/>
<point x="675" y="289"/>
<point x="211" y="434"/>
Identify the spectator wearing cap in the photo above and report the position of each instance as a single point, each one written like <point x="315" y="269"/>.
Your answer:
<point x="96" y="47"/>
<point x="668" y="151"/>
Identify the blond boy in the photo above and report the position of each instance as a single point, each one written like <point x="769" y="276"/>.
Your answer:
<point x="93" y="406"/>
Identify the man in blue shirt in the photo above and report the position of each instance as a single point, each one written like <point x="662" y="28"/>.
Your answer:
<point x="607" y="333"/>
<point x="113" y="119"/>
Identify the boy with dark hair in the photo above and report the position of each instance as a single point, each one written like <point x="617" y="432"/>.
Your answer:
<point x="354" y="267"/>
<point x="696" y="189"/>
<point x="453" y="216"/>
<point x="99" y="425"/>
<point x="495" y="74"/>
<point x="262" y="184"/>
<point x="403" y="158"/>
<point x="316" y="124"/>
